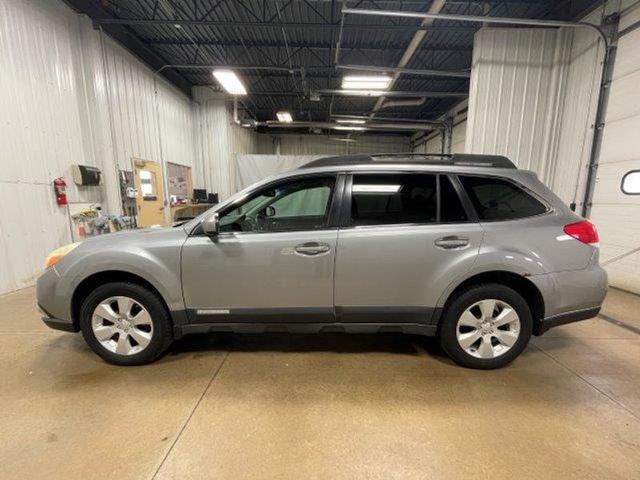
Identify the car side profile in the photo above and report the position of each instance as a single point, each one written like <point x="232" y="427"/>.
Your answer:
<point x="464" y="247"/>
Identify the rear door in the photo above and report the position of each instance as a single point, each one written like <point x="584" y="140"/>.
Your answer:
<point x="406" y="237"/>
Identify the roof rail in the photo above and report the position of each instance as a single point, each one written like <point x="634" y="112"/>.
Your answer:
<point x="462" y="159"/>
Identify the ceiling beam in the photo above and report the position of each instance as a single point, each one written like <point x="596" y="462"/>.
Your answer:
<point x="279" y="25"/>
<point x="364" y="94"/>
<point x="392" y="93"/>
<point x="409" y="71"/>
<point x="317" y="46"/>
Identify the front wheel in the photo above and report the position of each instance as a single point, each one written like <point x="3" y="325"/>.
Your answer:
<point x="125" y="323"/>
<point x="486" y="326"/>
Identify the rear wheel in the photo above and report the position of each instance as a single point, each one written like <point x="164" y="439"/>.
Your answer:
<point x="486" y="326"/>
<point x="125" y="323"/>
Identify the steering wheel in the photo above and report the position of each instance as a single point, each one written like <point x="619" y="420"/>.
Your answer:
<point x="247" y="224"/>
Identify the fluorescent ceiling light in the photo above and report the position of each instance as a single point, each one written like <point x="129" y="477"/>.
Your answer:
<point x="364" y="188"/>
<point x="355" y="121"/>
<point x="229" y="81"/>
<point x="362" y="93"/>
<point x="364" y="85"/>
<point x="346" y="127"/>
<point x="284" y="117"/>
<point x="365" y="82"/>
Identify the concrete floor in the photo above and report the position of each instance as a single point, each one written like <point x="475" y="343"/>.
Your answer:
<point x="326" y="406"/>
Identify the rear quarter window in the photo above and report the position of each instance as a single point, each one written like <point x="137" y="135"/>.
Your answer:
<point x="499" y="199"/>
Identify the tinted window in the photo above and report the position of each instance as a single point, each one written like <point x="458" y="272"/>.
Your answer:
<point x="390" y="199"/>
<point x="451" y="209"/>
<point x="497" y="199"/>
<point x="290" y="206"/>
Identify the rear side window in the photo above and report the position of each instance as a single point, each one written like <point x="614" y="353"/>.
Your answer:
<point x="498" y="199"/>
<point x="393" y="199"/>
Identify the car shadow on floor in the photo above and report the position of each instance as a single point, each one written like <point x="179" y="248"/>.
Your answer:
<point x="320" y="342"/>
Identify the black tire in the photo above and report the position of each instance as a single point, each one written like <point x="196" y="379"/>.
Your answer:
<point x="464" y="300"/>
<point x="162" y="335"/>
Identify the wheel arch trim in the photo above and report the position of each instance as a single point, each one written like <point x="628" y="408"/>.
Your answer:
<point x="517" y="281"/>
<point x="95" y="279"/>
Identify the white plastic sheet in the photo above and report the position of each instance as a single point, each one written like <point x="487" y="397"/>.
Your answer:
<point x="253" y="167"/>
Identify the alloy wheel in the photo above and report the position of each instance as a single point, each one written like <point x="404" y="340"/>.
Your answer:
<point x="122" y="325"/>
<point x="488" y="328"/>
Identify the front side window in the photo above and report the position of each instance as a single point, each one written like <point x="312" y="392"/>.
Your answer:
<point x="498" y="199"/>
<point x="291" y="206"/>
<point x="379" y="199"/>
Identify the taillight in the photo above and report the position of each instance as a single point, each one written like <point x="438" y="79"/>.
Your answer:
<point x="583" y="231"/>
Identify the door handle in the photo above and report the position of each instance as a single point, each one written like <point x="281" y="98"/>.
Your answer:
<point x="312" y="248"/>
<point x="452" y="242"/>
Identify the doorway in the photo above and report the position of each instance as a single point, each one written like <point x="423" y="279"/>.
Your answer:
<point x="149" y="185"/>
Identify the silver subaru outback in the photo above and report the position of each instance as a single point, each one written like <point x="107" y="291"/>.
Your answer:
<point x="464" y="247"/>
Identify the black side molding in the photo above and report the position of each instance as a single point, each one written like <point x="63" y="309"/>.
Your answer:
<point x="304" y="328"/>
<point x="391" y="315"/>
<point x="411" y="320"/>
<point x="564" y="318"/>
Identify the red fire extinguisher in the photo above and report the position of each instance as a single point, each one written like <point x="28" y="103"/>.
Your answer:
<point x="60" y="188"/>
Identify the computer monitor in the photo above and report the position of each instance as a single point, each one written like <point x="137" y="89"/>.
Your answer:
<point x="199" y="195"/>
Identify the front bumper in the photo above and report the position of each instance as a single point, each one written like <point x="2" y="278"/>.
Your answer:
<point x="56" y="323"/>
<point x="54" y="305"/>
<point x="59" y="324"/>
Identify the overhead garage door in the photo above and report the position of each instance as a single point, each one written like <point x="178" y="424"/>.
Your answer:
<point x="616" y="214"/>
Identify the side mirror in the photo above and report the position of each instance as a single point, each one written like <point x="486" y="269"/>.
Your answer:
<point x="210" y="224"/>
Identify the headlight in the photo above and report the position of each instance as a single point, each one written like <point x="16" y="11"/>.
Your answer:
<point x="58" y="254"/>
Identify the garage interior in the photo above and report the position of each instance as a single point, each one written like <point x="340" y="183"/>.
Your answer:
<point x="114" y="117"/>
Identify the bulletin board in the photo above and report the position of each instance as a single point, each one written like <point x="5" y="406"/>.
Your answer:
<point x="179" y="180"/>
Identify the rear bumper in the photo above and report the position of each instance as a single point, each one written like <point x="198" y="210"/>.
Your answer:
<point x="570" y="296"/>
<point x="564" y="318"/>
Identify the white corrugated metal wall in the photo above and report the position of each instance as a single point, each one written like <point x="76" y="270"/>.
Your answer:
<point x="291" y="144"/>
<point x="614" y="213"/>
<point x="219" y="140"/>
<point x="568" y="175"/>
<point x="39" y="109"/>
<point x="532" y="98"/>
<point x="66" y="99"/>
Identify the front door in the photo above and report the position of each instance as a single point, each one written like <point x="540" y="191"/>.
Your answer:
<point x="408" y="237"/>
<point x="272" y="260"/>
<point x="148" y="181"/>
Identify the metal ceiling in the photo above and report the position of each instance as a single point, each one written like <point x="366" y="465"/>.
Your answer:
<point x="285" y="50"/>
